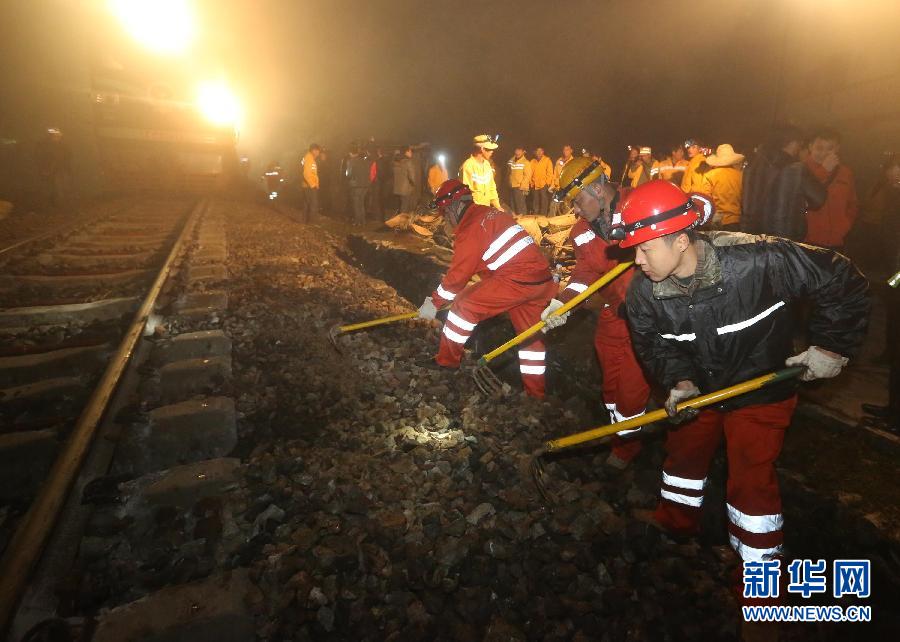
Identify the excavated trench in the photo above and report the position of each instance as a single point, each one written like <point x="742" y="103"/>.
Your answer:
<point x="834" y="479"/>
<point x="572" y="372"/>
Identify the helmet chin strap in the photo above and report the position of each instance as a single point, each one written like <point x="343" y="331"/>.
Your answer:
<point x="603" y="223"/>
<point x="457" y="209"/>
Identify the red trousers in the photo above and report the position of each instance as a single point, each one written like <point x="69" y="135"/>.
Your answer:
<point x="753" y="439"/>
<point x="625" y="390"/>
<point x="487" y="299"/>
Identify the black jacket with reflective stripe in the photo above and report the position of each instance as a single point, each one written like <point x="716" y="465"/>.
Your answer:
<point x="738" y="324"/>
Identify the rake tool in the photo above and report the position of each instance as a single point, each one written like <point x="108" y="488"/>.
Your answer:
<point x="485" y="378"/>
<point x="540" y="475"/>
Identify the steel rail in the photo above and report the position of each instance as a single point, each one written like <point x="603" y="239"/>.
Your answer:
<point x="66" y="229"/>
<point x="31" y="536"/>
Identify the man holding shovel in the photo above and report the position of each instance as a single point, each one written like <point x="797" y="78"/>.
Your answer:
<point x="515" y="278"/>
<point x="711" y="310"/>
<point x="584" y="184"/>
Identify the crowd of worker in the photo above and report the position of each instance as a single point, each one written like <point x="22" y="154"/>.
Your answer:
<point x="722" y="277"/>
<point x="732" y="250"/>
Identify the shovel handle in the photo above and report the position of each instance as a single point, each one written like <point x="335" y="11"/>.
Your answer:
<point x="537" y="327"/>
<point x="697" y="402"/>
<point x="368" y="324"/>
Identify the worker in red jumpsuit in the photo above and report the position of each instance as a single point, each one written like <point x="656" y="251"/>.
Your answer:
<point x="584" y="184"/>
<point x="711" y="310"/>
<point x="515" y="278"/>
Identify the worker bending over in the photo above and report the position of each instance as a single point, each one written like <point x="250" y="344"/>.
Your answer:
<point x="585" y="185"/>
<point x="515" y="278"/>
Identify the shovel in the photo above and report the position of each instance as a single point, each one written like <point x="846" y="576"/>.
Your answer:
<point x="338" y="330"/>
<point x="485" y="378"/>
<point x="540" y="476"/>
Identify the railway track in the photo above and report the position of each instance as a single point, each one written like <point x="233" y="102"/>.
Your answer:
<point x="90" y="381"/>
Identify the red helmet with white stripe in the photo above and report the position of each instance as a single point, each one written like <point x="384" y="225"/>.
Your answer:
<point x="658" y="208"/>
<point x="450" y="191"/>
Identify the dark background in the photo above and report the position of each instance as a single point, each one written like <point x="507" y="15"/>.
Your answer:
<point x="597" y="74"/>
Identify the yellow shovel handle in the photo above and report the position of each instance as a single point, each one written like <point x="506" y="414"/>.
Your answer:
<point x="369" y="324"/>
<point x="697" y="402"/>
<point x="537" y="327"/>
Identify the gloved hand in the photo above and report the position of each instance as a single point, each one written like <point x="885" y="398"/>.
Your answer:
<point x="552" y="320"/>
<point x="819" y="362"/>
<point x="427" y="309"/>
<point x="682" y="391"/>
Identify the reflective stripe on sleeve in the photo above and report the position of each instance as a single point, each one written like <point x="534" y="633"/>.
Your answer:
<point x="578" y="287"/>
<point x="514" y="249"/>
<point x="734" y="327"/>
<point x="680" y="337"/>
<point x="501" y="240"/>
<point x="584" y="237"/>
<point x="532" y="355"/>
<point x="532" y="370"/>
<point x="447" y="295"/>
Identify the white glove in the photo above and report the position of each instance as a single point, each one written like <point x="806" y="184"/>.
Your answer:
<point x="427" y="309"/>
<point x="553" y="321"/>
<point x="819" y="363"/>
<point x="683" y="391"/>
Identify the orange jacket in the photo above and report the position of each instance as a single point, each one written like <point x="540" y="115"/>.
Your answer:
<point x="310" y="171"/>
<point x="724" y="185"/>
<point x="692" y="181"/>
<point x="436" y="176"/>
<point x="488" y="242"/>
<point x="541" y="172"/>
<point x="557" y="170"/>
<point x="828" y="225"/>
<point x="519" y="173"/>
<point x="478" y="174"/>
<point x="671" y="170"/>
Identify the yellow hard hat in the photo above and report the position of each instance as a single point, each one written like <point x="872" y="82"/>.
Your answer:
<point x="577" y="173"/>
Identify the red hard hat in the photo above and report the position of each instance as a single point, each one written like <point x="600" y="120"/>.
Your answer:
<point x="450" y="191"/>
<point x="656" y="209"/>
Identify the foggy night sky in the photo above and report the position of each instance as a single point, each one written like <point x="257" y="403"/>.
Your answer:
<point x="596" y="74"/>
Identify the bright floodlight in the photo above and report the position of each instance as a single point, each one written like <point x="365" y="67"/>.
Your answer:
<point x="218" y="104"/>
<point x="441" y="158"/>
<point x="163" y="26"/>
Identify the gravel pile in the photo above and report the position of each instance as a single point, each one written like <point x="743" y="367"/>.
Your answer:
<point x="378" y="500"/>
<point x="386" y="501"/>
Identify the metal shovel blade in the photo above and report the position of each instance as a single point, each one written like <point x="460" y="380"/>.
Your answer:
<point x="540" y="477"/>
<point x="333" y="333"/>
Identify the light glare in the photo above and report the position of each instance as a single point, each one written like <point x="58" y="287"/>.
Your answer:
<point x="218" y="104"/>
<point x="163" y="26"/>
